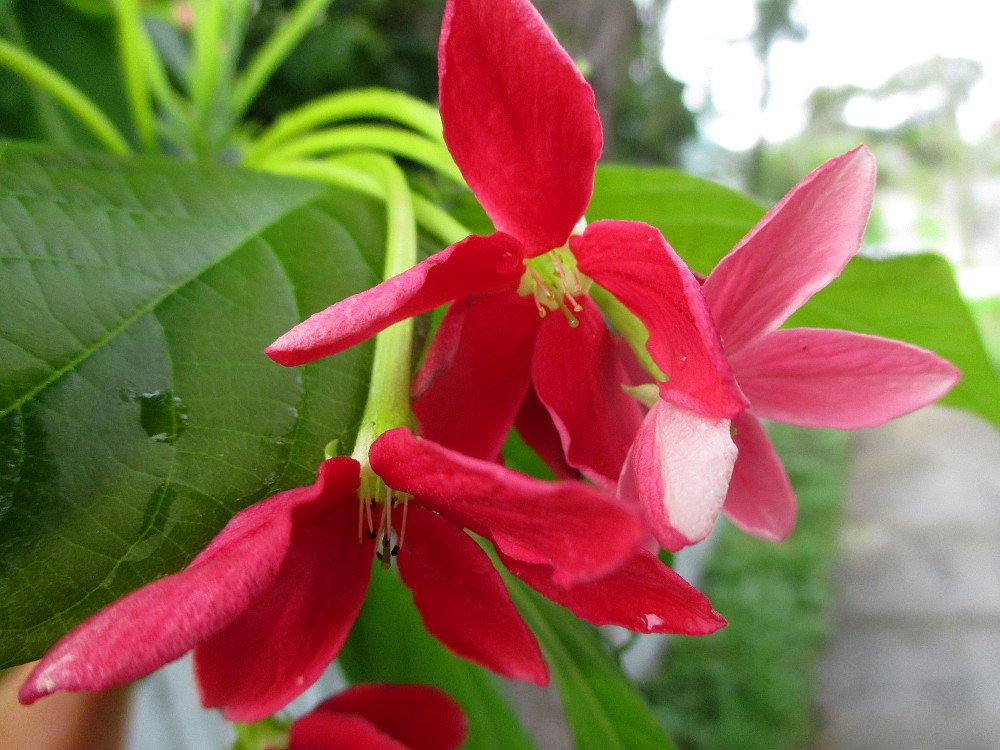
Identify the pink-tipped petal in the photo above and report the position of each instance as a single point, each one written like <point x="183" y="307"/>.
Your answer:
<point x="799" y="247"/>
<point x="519" y="119"/>
<point x="633" y="262"/>
<point x="828" y="378"/>
<point x="163" y="620"/>
<point x="322" y="730"/>
<point x="760" y="499"/>
<point x="642" y="595"/>
<point x="471" y="403"/>
<point x="289" y="634"/>
<point x="419" y="716"/>
<point x="578" y="376"/>
<point x="473" y="266"/>
<point x="463" y="601"/>
<point x="532" y="520"/>
<point x="678" y="470"/>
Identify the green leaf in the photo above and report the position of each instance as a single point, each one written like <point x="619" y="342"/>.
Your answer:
<point x="137" y="409"/>
<point x="604" y="710"/>
<point x="390" y="644"/>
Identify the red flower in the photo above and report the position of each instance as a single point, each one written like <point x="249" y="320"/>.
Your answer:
<point x="267" y="604"/>
<point x="382" y="717"/>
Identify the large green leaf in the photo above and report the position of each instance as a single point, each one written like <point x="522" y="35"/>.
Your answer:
<point x="137" y="410"/>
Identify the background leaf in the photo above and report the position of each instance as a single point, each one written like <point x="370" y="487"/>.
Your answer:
<point x="137" y="410"/>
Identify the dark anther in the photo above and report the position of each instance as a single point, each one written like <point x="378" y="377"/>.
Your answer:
<point x="395" y="550"/>
<point x="379" y="555"/>
<point x="371" y="533"/>
<point x="371" y="504"/>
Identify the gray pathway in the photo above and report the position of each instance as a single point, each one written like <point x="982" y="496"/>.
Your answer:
<point x="914" y="657"/>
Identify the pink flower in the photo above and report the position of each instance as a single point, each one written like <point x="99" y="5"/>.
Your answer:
<point x="803" y="376"/>
<point x="382" y="717"/>
<point x="267" y="605"/>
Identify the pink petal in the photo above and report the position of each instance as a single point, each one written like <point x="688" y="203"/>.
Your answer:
<point x="463" y="601"/>
<point x="633" y="262"/>
<point x="163" y="620"/>
<point x="419" y="716"/>
<point x="532" y="520"/>
<point x="322" y="730"/>
<point x="473" y="266"/>
<point x="799" y="247"/>
<point x="534" y="425"/>
<point x="822" y="378"/>
<point x="471" y="403"/>
<point x="678" y="470"/>
<point x="642" y="595"/>
<point x="284" y="640"/>
<point x="519" y="119"/>
<point x="760" y="499"/>
<point x="578" y="376"/>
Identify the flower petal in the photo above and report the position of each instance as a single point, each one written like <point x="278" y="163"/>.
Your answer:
<point x="519" y="119"/>
<point x="463" y="601"/>
<point x="534" y="425"/>
<point x="642" y="595"/>
<point x="828" y="378"/>
<point x="471" y="403"/>
<point x="678" y="470"/>
<point x="322" y="730"/>
<point x="419" y="716"/>
<point x="529" y="519"/>
<point x="760" y="499"/>
<point x="163" y="620"/>
<point x="633" y="262"/>
<point x="799" y="247"/>
<point x="473" y="266"/>
<point x="284" y="640"/>
<point x="578" y="376"/>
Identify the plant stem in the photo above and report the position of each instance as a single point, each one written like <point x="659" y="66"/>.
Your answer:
<point x="130" y="52"/>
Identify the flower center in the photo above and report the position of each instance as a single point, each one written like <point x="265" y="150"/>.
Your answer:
<point x="554" y="280"/>
<point x="376" y="500"/>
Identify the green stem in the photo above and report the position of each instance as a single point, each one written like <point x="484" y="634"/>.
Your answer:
<point x="629" y="326"/>
<point x="373" y="103"/>
<point x="274" y="52"/>
<point x="383" y="138"/>
<point x="130" y="51"/>
<point x="63" y="91"/>
<point x="207" y="41"/>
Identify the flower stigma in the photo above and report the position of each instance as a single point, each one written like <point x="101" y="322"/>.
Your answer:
<point x="373" y="496"/>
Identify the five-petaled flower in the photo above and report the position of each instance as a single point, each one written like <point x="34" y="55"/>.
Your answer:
<point x="268" y="603"/>
<point x="803" y="376"/>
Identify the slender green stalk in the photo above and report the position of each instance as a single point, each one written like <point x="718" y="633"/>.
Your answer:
<point x="207" y="41"/>
<point x="63" y="91"/>
<point x="382" y="138"/>
<point x="273" y="53"/>
<point x="130" y="53"/>
<point x="629" y="326"/>
<point x="373" y="103"/>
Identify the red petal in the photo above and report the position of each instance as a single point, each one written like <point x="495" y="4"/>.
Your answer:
<point x="282" y="643"/>
<point x="799" y="247"/>
<point x="821" y="378"/>
<point x="633" y="262"/>
<point x="519" y="119"/>
<point x="678" y="470"/>
<point x="529" y="519"/>
<point x="534" y="425"/>
<point x="419" y="716"/>
<point x="330" y="731"/>
<point x="578" y="375"/>
<point x="473" y="266"/>
<point x="642" y="595"/>
<point x="463" y="601"/>
<point x="471" y="404"/>
<point x="161" y="621"/>
<point x="760" y="499"/>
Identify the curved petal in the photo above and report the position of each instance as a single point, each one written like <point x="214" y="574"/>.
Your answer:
<point x="419" y="716"/>
<point x="799" y="247"/>
<point x="462" y="600"/>
<point x="163" y="620"/>
<point x="329" y="731"/>
<point x="633" y="262"/>
<point x="473" y="266"/>
<point x="827" y="378"/>
<point x="760" y="499"/>
<point x="642" y="595"/>
<point x="284" y="640"/>
<point x="678" y="470"/>
<point x="578" y="376"/>
<point x="471" y="402"/>
<point x="529" y="519"/>
<point x="519" y="119"/>
<point x="534" y="425"/>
